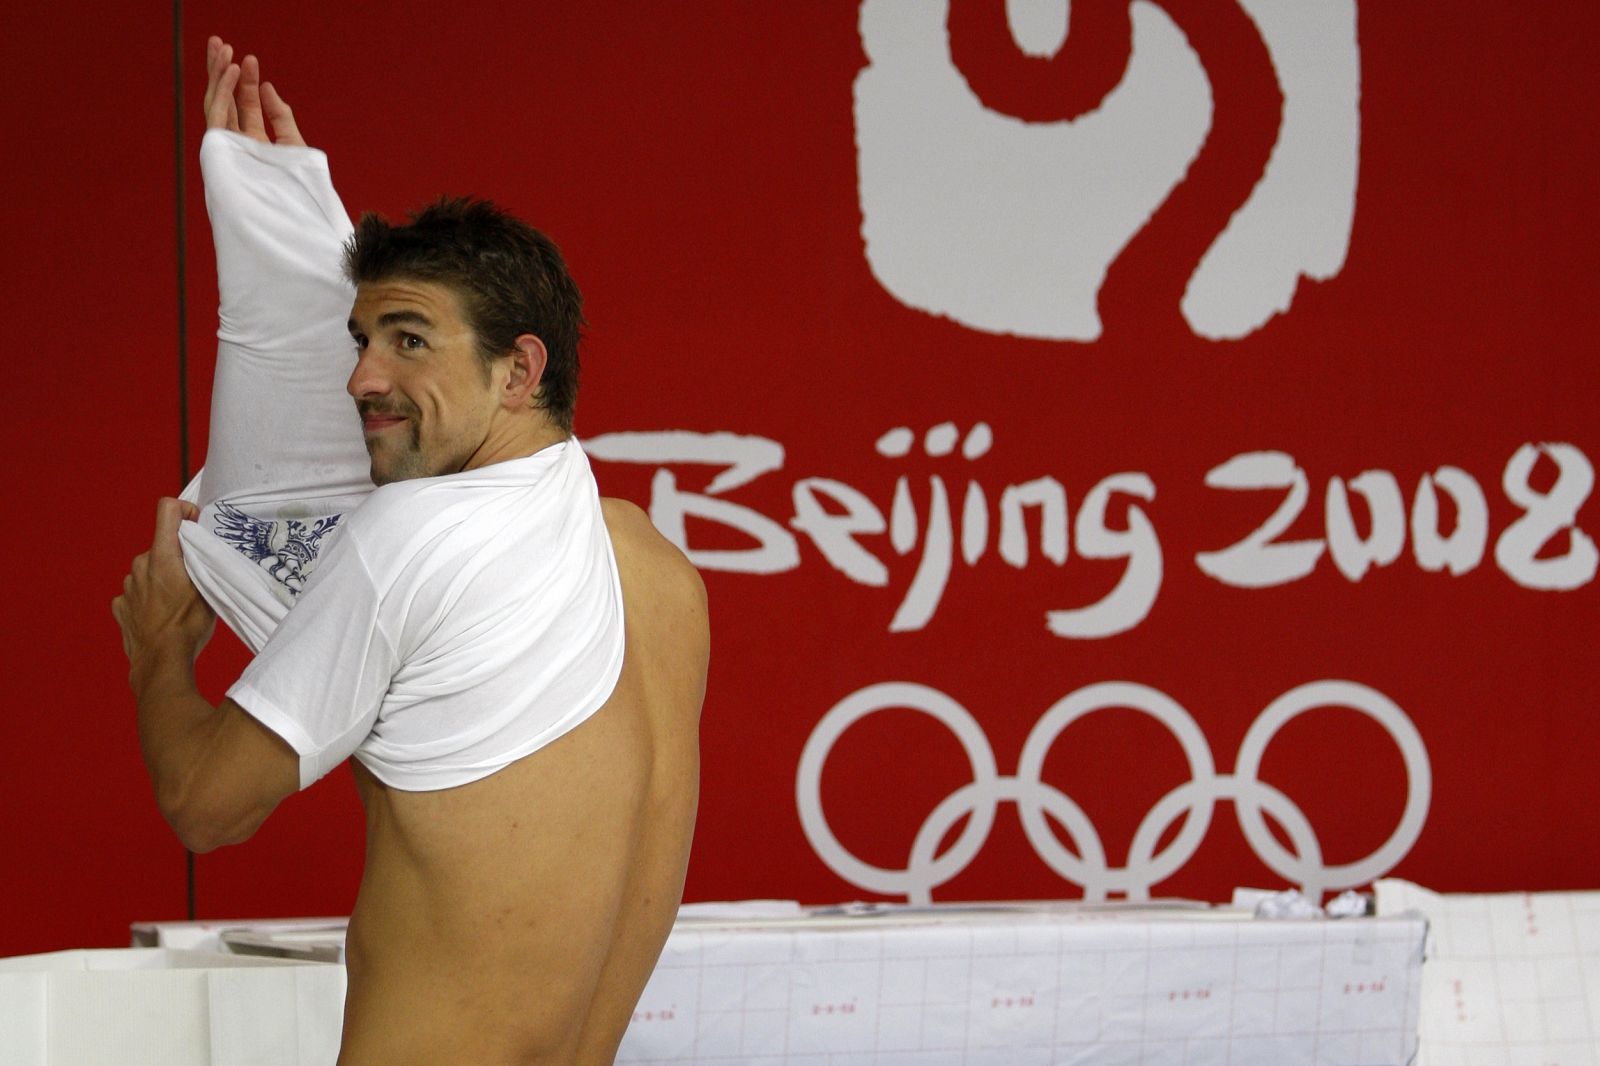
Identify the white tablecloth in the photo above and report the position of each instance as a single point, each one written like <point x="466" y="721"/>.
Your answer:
<point x="1007" y="987"/>
<point x="1023" y="988"/>
<point x="1512" y="978"/>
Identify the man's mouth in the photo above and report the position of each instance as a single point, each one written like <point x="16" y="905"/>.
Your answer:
<point x="376" y="420"/>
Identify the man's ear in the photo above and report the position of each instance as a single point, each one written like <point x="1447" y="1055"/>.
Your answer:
<point x="528" y="360"/>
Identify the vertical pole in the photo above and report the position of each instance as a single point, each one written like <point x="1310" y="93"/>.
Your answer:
<point x="183" y="318"/>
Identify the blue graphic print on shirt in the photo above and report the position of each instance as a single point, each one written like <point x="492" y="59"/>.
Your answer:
<point x="285" y="549"/>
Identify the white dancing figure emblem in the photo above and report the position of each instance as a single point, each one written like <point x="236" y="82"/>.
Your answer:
<point x="1010" y="226"/>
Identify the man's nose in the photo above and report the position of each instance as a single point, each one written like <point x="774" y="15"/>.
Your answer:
<point x="368" y="378"/>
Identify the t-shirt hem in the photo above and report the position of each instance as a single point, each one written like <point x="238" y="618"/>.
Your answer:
<point x="438" y="778"/>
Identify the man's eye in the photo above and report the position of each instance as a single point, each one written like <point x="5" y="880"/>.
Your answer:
<point x="411" y="342"/>
<point x="359" y="340"/>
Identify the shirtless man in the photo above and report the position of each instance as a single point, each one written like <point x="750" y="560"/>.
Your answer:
<point x="506" y="915"/>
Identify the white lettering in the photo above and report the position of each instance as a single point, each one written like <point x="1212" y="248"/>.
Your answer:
<point x="922" y="598"/>
<point x="835" y="534"/>
<point x="845" y="523"/>
<point x="975" y="511"/>
<point x="1463" y="549"/>
<point x="746" y="458"/>
<point x="1046" y="494"/>
<point x="1257" y="561"/>
<point x="903" y="523"/>
<point x="1545" y="514"/>
<point x="776" y="550"/>
<point x="974" y="524"/>
<point x="933" y="572"/>
<point x="1351" y="552"/>
<point x="1126" y="605"/>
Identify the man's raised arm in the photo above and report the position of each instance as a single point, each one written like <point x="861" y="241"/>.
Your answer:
<point x="283" y="429"/>
<point x="276" y="220"/>
<point x="216" y="771"/>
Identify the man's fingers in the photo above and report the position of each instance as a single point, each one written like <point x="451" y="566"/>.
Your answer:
<point x="284" y="128"/>
<point x="119" y="612"/>
<point x="248" y="99"/>
<point x="212" y="45"/>
<point x="220" y="112"/>
<point x="169" y="512"/>
<point x="217" y="59"/>
<point x="213" y="69"/>
<point x="218" y="56"/>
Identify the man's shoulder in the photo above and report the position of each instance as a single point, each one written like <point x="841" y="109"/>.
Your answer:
<point x="653" y="562"/>
<point x="378" y="511"/>
<point x="396" y="521"/>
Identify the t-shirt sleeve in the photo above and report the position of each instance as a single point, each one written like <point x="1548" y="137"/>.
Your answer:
<point x="279" y="231"/>
<point x="320" y="680"/>
<point x="282" y="426"/>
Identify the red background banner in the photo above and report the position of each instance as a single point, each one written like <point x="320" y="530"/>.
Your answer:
<point x="777" y="268"/>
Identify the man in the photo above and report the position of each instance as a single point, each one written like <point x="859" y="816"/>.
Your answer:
<point x="517" y="665"/>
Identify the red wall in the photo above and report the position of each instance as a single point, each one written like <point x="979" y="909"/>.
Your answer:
<point x="90" y="438"/>
<point x="701" y="166"/>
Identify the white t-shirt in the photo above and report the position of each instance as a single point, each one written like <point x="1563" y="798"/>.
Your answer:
<point x="438" y="629"/>
<point x="453" y="625"/>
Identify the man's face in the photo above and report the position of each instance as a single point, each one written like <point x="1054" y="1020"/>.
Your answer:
<point x="424" y="394"/>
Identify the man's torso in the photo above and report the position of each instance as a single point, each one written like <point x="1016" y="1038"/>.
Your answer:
<point x="519" y="916"/>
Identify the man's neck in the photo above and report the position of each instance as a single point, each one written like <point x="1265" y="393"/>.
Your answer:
<point x="508" y="439"/>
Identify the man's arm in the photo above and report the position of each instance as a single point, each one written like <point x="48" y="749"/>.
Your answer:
<point x="217" y="772"/>
<point x="276" y="221"/>
<point x="282" y="426"/>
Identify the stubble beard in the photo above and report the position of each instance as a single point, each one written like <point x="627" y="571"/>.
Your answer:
<point x="409" y="462"/>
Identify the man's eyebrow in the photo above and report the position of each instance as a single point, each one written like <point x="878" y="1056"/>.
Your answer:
<point x="395" y="318"/>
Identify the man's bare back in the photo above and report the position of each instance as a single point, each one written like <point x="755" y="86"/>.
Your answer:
<point x="516" y="919"/>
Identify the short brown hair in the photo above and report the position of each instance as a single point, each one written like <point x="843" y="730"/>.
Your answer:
<point x="510" y="277"/>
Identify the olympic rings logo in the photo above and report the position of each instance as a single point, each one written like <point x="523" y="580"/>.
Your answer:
<point x="980" y="799"/>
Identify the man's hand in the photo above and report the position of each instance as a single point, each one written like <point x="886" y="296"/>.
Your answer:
<point x="217" y="772"/>
<point x="238" y="100"/>
<point x="160" y="612"/>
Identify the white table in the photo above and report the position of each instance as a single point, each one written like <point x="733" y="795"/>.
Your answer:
<point x="1003" y="986"/>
